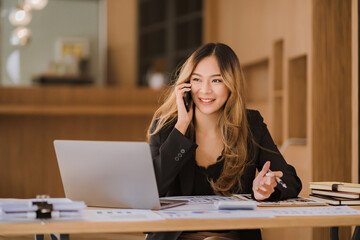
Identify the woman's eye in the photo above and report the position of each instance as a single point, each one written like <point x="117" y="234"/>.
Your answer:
<point x="196" y="79"/>
<point x="217" y="80"/>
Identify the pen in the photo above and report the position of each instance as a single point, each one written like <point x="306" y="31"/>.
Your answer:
<point x="278" y="180"/>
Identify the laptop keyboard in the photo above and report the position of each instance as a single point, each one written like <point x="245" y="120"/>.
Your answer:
<point x="166" y="203"/>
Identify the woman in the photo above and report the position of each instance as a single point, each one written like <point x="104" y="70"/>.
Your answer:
<point x="216" y="146"/>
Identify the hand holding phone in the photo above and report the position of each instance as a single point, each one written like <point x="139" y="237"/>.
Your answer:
<point x="187" y="99"/>
<point x="184" y="105"/>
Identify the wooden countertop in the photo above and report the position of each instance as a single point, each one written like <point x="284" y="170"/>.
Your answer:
<point x="76" y="110"/>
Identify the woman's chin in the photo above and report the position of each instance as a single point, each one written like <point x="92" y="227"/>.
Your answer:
<point x="208" y="110"/>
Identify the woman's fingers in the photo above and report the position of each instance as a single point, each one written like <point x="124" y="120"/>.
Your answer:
<point x="263" y="193"/>
<point x="180" y="90"/>
<point x="181" y="86"/>
<point x="268" y="185"/>
<point x="265" y="169"/>
<point x="265" y="182"/>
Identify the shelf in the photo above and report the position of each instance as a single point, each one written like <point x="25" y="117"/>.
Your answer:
<point x="50" y="79"/>
<point x="77" y="110"/>
<point x="278" y="119"/>
<point x="278" y="93"/>
<point x="278" y="64"/>
<point x="297" y="97"/>
<point x="257" y="78"/>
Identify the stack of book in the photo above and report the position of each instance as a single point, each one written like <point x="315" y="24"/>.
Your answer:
<point x="336" y="193"/>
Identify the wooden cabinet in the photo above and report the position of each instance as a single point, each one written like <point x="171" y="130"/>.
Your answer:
<point x="32" y="118"/>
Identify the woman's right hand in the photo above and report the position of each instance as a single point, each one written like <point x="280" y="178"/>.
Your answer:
<point x="184" y="117"/>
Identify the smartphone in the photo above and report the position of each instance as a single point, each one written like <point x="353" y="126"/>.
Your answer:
<point x="187" y="99"/>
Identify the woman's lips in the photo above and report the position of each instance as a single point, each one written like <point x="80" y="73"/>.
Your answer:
<point x="207" y="100"/>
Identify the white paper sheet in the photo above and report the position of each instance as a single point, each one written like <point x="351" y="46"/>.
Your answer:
<point x="312" y="211"/>
<point x="198" y="202"/>
<point x="118" y="215"/>
<point x="201" y="199"/>
<point x="219" y="214"/>
<point x="292" y="202"/>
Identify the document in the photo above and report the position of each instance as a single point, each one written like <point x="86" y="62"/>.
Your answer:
<point x="119" y="215"/>
<point x="214" y="214"/>
<point x="292" y="202"/>
<point x="312" y="211"/>
<point x="199" y="202"/>
<point x="201" y="199"/>
<point x="21" y="200"/>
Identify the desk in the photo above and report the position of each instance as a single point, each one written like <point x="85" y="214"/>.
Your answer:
<point x="177" y="225"/>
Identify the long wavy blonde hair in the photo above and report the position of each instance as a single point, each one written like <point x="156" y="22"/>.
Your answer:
<point x="232" y="121"/>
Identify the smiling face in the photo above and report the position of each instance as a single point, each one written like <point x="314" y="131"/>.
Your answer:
<point x="208" y="89"/>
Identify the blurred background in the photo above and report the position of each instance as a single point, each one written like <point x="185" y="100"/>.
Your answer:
<point x="96" y="70"/>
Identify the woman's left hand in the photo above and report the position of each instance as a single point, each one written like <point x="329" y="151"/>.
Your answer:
<point x="264" y="184"/>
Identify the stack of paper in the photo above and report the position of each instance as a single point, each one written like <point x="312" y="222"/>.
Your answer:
<point x="40" y="208"/>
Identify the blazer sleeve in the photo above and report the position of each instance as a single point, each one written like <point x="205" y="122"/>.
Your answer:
<point x="170" y="151"/>
<point x="269" y="152"/>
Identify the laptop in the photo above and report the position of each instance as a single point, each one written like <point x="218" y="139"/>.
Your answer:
<point x="110" y="174"/>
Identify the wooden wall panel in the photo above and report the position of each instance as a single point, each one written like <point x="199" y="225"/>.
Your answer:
<point x="331" y="74"/>
<point x="211" y="21"/>
<point x="332" y="90"/>
<point x="122" y="42"/>
<point x="251" y="27"/>
<point x="28" y="159"/>
<point x="355" y="90"/>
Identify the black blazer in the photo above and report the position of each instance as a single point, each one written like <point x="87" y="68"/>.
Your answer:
<point x="174" y="163"/>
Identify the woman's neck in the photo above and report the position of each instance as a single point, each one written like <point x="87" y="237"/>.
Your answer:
<point x="206" y="123"/>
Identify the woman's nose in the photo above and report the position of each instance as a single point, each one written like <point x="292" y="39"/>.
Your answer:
<point x="205" y="87"/>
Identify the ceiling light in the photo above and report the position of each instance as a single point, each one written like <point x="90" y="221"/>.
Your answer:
<point x="20" y="16"/>
<point x="37" y="4"/>
<point x="20" y="36"/>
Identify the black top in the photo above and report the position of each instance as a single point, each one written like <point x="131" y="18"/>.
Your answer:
<point x="176" y="170"/>
<point x="201" y="176"/>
